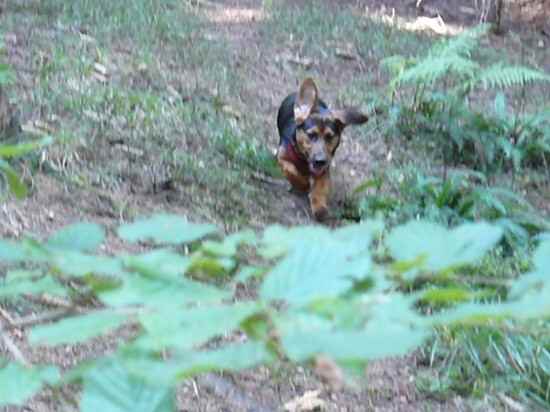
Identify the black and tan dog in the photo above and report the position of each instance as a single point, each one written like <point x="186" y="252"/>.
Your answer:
<point x="310" y="133"/>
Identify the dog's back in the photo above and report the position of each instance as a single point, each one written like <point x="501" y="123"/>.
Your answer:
<point x="285" y="119"/>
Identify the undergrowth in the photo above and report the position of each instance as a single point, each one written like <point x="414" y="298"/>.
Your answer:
<point x="328" y="297"/>
<point x="454" y="105"/>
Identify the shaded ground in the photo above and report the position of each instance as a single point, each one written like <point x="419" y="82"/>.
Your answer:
<point x="270" y="74"/>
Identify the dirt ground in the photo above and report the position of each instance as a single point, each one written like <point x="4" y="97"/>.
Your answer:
<point x="390" y="383"/>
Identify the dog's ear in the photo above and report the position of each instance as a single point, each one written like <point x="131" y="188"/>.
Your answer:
<point x="349" y="117"/>
<point x="306" y="100"/>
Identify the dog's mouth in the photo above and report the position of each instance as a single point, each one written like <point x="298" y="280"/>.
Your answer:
<point x="318" y="168"/>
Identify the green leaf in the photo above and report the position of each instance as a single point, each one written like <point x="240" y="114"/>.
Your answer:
<point x="211" y="266"/>
<point x="315" y="269"/>
<point x="154" y="292"/>
<point x="79" y="264"/>
<point x="78" y="237"/>
<point x="10" y="151"/>
<point x="278" y="240"/>
<point x="111" y="388"/>
<point x="165" y="228"/>
<point x="441" y="248"/>
<point x="232" y="357"/>
<point x="11" y="251"/>
<point x="186" y="328"/>
<point x="378" y="340"/>
<point x="541" y="258"/>
<point x="247" y="272"/>
<point x="19" y="383"/>
<point x="229" y="246"/>
<point x="14" y="182"/>
<point x="17" y="285"/>
<point x="185" y="364"/>
<point x="77" y="328"/>
<point x="358" y="236"/>
<point x="6" y="73"/>
<point x="447" y="295"/>
<point x="159" y="263"/>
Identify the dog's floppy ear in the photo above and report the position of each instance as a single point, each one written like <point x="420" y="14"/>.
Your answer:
<point x="349" y="117"/>
<point x="306" y="100"/>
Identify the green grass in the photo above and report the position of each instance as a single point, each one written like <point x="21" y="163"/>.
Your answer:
<point x="491" y="361"/>
<point x="158" y="114"/>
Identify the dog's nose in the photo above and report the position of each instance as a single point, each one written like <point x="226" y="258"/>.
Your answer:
<point x="319" y="163"/>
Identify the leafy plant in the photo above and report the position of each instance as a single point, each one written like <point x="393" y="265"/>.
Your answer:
<point x="464" y="196"/>
<point x="9" y="151"/>
<point x="444" y="84"/>
<point x="322" y="293"/>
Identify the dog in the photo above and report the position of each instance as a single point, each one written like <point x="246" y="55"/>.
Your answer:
<point x="310" y="132"/>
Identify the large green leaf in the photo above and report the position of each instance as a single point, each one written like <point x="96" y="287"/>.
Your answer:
<point x="350" y="330"/>
<point x="185" y="364"/>
<point x="17" y="187"/>
<point x="315" y="268"/>
<point x="278" y="240"/>
<point x="541" y="258"/>
<point x="159" y="263"/>
<point x="111" y="388"/>
<point x="536" y="280"/>
<point x="77" y="328"/>
<point x="19" y="282"/>
<point x="165" y="228"/>
<point x="18" y="383"/>
<point x="377" y="340"/>
<point x="11" y="251"/>
<point x="359" y="236"/>
<point x="228" y="247"/>
<point x="76" y="263"/>
<point x="154" y="292"/>
<point x="187" y="328"/>
<point x="232" y="357"/>
<point x="437" y="248"/>
<point x="80" y="237"/>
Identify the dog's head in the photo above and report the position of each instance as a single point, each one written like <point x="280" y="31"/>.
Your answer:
<point x="319" y="129"/>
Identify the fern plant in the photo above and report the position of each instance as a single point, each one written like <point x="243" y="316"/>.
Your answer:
<point x="444" y="83"/>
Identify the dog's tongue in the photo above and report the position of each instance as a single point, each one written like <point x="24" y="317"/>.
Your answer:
<point x="317" y="172"/>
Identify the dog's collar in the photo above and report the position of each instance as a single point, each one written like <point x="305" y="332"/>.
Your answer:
<point x="297" y="158"/>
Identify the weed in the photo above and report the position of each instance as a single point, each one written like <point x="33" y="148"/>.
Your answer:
<point x="441" y="111"/>
<point x="488" y="361"/>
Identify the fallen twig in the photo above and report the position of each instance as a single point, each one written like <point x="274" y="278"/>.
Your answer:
<point x="12" y="347"/>
<point x="267" y="179"/>
<point x="4" y="313"/>
<point x="32" y="320"/>
<point x="49" y="300"/>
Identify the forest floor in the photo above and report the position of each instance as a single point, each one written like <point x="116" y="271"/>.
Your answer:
<point x="233" y="68"/>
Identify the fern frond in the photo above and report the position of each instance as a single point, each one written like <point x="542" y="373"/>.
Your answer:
<point x="500" y="76"/>
<point x="434" y="67"/>
<point x="396" y="64"/>
<point x="461" y="44"/>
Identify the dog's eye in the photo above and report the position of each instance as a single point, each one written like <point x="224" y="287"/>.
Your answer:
<point x="312" y="136"/>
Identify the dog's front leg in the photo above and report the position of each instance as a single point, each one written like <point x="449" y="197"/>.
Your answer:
<point x="319" y="196"/>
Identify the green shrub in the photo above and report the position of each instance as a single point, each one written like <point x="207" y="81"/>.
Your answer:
<point x="320" y="292"/>
<point x="441" y="113"/>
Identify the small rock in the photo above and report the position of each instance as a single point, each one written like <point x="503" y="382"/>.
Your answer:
<point x="309" y="402"/>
